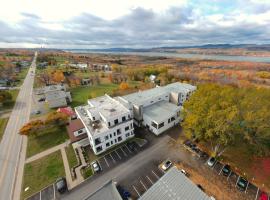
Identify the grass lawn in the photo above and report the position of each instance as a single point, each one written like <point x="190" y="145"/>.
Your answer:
<point x="40" y="173"/>
<point x="21" y="76"/>
<point x="9" y="105"/>
<point x="3" y="124"/>
<point x="81" y="94"/>
<point x="46" y="138"/>
<point x="71" y="156"/>
<point x="87" y="172"/>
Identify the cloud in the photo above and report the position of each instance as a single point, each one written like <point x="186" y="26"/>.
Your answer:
<point x="182" y="25"/>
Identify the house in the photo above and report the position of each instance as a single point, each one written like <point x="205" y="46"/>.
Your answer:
<point x="44" y="90"/>
<point x="174" y="185"/>
<point x="77" y="132"/>
<point x="79" y="65"/>
<point x="107" y="192"/>
<point x="158" y="109"/>
<point x="57" y="98"/>
<point x="107" y="122"/>
<point x="67" y="110"/>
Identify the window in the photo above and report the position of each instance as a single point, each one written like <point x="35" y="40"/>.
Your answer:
<point x="99" y="148"/>
<point x="116" y="121"/>
<point x="118" y="131"/>
<point x="131" y="125"/>
<point x="97" y="141"/>
<point x="131" y="133"/>
<point x="94" y="118"/>
<point x="114" y="134"/>
<point x="126" y="128"/>
<point x="115" y="140"/>
<point x="110" y="135"/>
<point x="161" y="125"/>
<point x="169" y="120"/>
<point x="111" y="142"/>
<point x="129" y="116"/>
<point x="109" y="123"/>
<point x="107" y="144"/>
<point x="119" y="139"/>
<point x="173" y="118"/>
<point x="124" y="118"/>
<point x="106" y="137"/>
<point x="154" y="124"/>
<point x="127" y="135"/>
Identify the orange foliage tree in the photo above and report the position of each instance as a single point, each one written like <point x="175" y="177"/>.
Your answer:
<point x="123" y="86"/>
<point x="31" y="127"/>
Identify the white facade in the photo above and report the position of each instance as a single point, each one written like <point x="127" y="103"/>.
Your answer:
<point x="107" y="122"/>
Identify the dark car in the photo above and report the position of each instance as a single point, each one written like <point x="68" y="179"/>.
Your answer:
<point x="226" y="170"/>
<point x="199" y="186"/>
<point x="131" y="146"/>
<point x="242" y="184"/>
<point x="123" y="193"/>
<point x="61" y="185"/>
<point x="41" y="99"/>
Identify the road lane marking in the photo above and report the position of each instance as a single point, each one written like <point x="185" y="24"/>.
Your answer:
<point x="143" y="185"/>
<point x="106" y="161"/>
<point x="155" y="174"/>
<point x="118" y="155"/>
<point x="128" y="149"/>
<point x="112" y="158"/>
<point x="136" y="190"/>
<point x="247" y="187"/>
<point x="149" y="179"/>
<point x="123" y="151"/>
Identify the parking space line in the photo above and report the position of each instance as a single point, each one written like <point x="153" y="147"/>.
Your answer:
<point x="257" y="194"/>
<point x="247" y="187"/>
<point x="229" y="175"/>
<point x="106" y="161"/>
<point x="40" y="195"/>
<point x="123" y="151"/>
<point x="143" y="185"/>
<point x="118" y="155"/>
<point x="237" y="180"/>
<point x="221" y="170"/>
<point x="155" y="174"/>
<point x="53" y="191"/>
<point x="149" y="180"/>
<point x="214" y="165"/>
<point x="112" y="158"/>
<point x="162" y="171"/>
<point x="136" y="190"/>
<point x="128" y="148"/>
<point x="99" y="164"/>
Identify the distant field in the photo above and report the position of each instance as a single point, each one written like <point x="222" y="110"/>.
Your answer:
<point x="81" y="94"/>
<point x="3" y="124"/>
<point x="45" y="139"/>
<point x="41" y="173"/>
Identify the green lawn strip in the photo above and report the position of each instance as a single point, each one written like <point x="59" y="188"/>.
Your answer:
<point x="21" y="76"/>
<point x="87" y="172"/>
<point x="9" y="105"/>
<point x="46" y="138"/>
<point x="81" y="94"/>
<point x="3" y="124"/>
<point x="41" y="173"/>
<point x="71" y="156"/>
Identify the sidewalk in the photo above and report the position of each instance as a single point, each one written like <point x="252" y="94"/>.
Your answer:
<point x="47" y="152"/>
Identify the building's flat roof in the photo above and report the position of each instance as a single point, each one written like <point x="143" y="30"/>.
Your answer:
<point x="160" y="111"/>
<point x="52" y="95"/>
<point x="174" y="185"/>
<point x="106" y="192"/>
<point x="139" y="98"/>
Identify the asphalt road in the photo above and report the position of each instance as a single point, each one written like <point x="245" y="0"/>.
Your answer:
<point x="11" y="151"/>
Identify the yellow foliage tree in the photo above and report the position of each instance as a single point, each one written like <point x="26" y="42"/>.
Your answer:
<point x="123" y="86"/>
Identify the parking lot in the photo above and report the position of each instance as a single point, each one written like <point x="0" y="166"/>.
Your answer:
<point x="48" y="193"/>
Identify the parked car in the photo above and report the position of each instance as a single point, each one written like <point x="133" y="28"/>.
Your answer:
<point x="184" y="172"/>
<point x="263" y="196"/>
<point x="95" y="166"/>
<point x="41" y="99"/>
<point x="199" y="186"/>
<point x="211" y="161"/>
<point x="166" y="165"/>
<point x="242" y="184"/>
<point x="61" y="185"/>
<point x="226" y="170"/>
<point x="37" y="112"/>
<point x="123" y="193"/>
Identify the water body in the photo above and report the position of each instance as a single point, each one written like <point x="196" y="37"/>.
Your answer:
<point x="182" y="55"/>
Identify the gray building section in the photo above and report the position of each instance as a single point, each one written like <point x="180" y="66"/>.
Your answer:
<point x="106" y="192"/>
<point x="174" y="186"/>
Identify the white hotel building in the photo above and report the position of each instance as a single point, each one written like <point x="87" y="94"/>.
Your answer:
<point x="109" y="121"/>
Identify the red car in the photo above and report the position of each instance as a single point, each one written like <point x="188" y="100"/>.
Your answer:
<point x="263" y="196"/>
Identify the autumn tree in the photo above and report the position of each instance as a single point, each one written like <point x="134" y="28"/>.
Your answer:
<point x="56" y="118"/>
<point x="58" y="76"/>
<point x="123" y="86"/>
<point x="31" y="127"/>
<point x="5" y="97"/>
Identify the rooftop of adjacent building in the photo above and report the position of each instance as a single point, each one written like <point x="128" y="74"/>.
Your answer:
<point x="160" y="111"/>
<point x="139" y="98"/>
<point x="52" y="95"/>
<point x="75" y="125"/>
<point x="174" y="185"/>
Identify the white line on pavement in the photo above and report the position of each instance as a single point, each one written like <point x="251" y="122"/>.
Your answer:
<point x="136" y="190"/>
<point x="40" y="195"/>
<point x="221" y="170"/>
<point x="128" y="148"/>
<point x="229" y="175"/>
<point x="247" y="187"/>
<point x="143" y="185"/>
<point x="118" y="154"/>
<point x="237" y="181"/>
<point x="162" y="171"/>
<point x="155" y="174"/>
<point x="106" y="161"/>
<point x="53" y="191"/>
<point x="257" y="194"/>
<point x="123" y="151"/>
<point x="214" y="165"/>
<point x="149" y="180"/>
<point x="112" y="158"/>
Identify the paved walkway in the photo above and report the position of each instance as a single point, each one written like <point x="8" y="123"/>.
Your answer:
<point x="47" y="152"/>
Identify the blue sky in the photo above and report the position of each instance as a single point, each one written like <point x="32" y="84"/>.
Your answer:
<point x="133" y="23"/>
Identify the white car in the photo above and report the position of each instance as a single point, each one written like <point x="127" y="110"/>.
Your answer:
<point x="211" y="161"/>
<point x="183" y="172"/>
<point x="95" y="166"/>
<point x="166" y="165"/>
